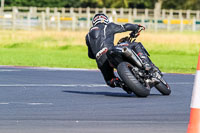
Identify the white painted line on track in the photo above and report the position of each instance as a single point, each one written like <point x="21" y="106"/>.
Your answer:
<point x="75" y="85"/>
<point x="48" y="68"/>
<point x="23" y="103"/>
<point x="8" y="70"/>
<point x="65" y="69"/>
<point x="39" y="103"/>
<point x="4" y="103"/>
<point x="53" y="85"/>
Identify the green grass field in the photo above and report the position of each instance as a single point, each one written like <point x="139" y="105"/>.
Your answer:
<point x="62" y="50"/>
<point x="70" y="56"/>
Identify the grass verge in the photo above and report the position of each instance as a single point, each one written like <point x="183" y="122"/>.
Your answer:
<point x="76" y="57"/>
<point x="71" y="56"/>
<point x="170" y="51"/>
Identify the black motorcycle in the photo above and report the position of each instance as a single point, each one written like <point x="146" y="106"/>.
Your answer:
<point x="130" y="68"/>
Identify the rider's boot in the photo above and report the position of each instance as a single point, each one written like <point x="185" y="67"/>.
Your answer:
<point x="141" y="52"/>
<point x="116" y="82"/>
<point x="156" y="69"/>
<point x="152" y="69"/>
<point x="147" y="63"/>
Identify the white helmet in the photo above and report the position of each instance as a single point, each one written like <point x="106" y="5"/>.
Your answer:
<point x="100" y="18"/>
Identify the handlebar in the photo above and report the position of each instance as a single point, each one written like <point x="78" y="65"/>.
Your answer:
<point x="135" y="34"/>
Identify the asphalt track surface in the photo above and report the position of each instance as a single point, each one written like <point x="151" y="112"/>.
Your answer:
<point x="77" y="101"/>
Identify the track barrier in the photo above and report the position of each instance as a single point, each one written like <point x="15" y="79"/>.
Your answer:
<point x="194" y="123"/>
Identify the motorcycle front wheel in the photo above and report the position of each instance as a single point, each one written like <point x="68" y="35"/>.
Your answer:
<point x="163" y="87"/>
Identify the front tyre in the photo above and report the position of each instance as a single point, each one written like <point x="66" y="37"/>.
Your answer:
<point x="163" y="87"/>
<point x="125" y="71"/>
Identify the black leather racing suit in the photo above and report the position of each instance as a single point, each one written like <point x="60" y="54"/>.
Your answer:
<point x="100" y="39"/>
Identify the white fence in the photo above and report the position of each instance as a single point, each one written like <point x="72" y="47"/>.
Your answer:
<point x="80" y="18"/>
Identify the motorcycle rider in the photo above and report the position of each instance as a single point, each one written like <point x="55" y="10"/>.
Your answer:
<point x="100" y="40"/>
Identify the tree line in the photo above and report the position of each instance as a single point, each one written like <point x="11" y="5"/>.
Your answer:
<point x="166" y="4"/>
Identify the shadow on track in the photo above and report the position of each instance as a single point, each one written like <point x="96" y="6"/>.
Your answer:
<point x="101" y="93"/>
<point x="111" y="94"/>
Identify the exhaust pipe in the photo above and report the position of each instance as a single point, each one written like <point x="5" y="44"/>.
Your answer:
<point x="132" y="56"/>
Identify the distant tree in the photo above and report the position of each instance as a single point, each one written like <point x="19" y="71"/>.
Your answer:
<point x="71" y="3"/>
<point x="166" y="4"/>
<point x="89" y="3"/>
<point x="114" y="3"/>
<point x="142" y="3"/>
<point x="174" y="4"/>
<point x="43" y="3"/>
<point x="105" y="3"/>
<point x="192" y="4"/>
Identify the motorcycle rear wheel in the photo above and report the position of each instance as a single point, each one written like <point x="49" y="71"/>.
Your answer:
<point x="124" y="70"/>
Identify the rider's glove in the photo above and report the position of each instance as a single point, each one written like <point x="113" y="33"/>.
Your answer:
<point x="141" y="27"/>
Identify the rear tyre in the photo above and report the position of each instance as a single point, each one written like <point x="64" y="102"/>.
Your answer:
<point x="125" y="72"/>
<point x="163" y="88"/>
